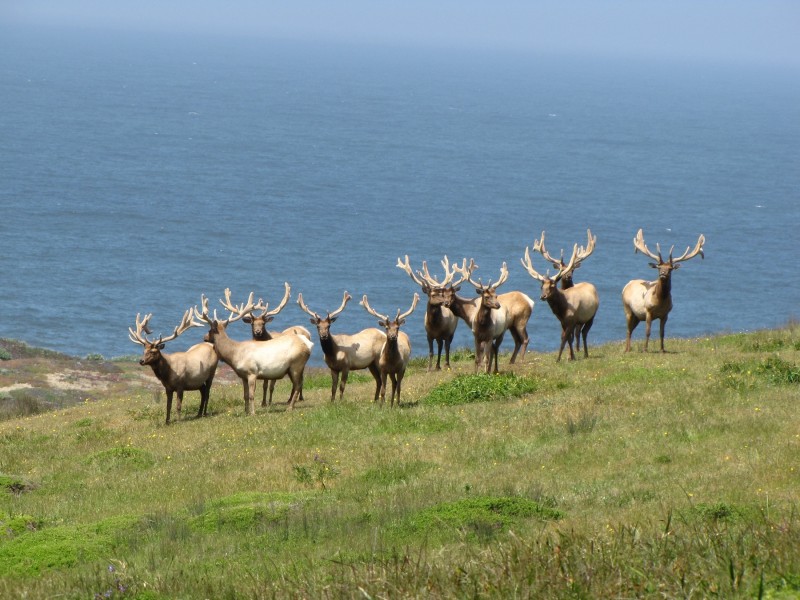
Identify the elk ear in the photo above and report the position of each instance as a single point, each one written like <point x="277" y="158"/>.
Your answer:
<point x="676" y="266"/>
<point x="268" y="320"/>
<point x="332" y="319"/>
<point x="248" y="319"/>
<point x="401" y="322"/>
<point x="160" y="346"/>
<point x="383" y="323"/>
<point x="314" y="321"/>
<point x="577" y="266"/>
<point x="654" y="265"/>
<point x="457" y="288"/>
<point x="426" y="289"/>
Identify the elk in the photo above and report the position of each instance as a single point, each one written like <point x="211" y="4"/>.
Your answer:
<point x="396" y="349"/>
<point x="518" y="308"/>
<point x="344" y="353"/>
<point x="251" y="359"/>
<point x="566" y="277"/>
<point x="648" y="300"/>
<point x="178" y="372"/>
<point x="440" y="322"/>
<point x="258" y="327"/>
<point x="574" y="307"/>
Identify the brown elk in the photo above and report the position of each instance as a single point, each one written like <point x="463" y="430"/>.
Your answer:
<point x="252" y="360"/>
<point x="258" y="327"/>
<point x="344" y="353"/>
<point x="566" y="277"/>
<point x="396" y="350"/>
<point x="648" y="300"/>
<point x="178" y="372"/>
<point x="518" y="308"/>
<point x="440" y="322"/>
<point x="574" y="307"/>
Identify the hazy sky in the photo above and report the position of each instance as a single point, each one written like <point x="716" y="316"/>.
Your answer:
<point x="761" y="31"/>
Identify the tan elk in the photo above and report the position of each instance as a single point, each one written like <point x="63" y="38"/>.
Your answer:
<point x="178" y="372"/>
<point x="258" y="327"/>
<point x="396" y="349"/>
<point x="574" y="307"/>
<point x="566" y="277"/>
<point x="252" y="360"/>
<point x="518" y="308"/>
<point x="344" y="353"/>
<point x="440" y="322"/>
<point x="649" y="300"/>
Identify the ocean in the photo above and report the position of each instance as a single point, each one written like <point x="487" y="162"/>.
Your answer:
<point x="138" y="172"/>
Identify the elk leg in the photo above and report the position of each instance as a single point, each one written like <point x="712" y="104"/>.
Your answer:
<point x="343" y="383"/>
<point x="662" y="326"/>
<point x="632" y="323"/>
<point x="376" y="373"/>
<point x="439" y="354"/>
<point x="249" y="386"/>
<point x="394" y="390"/>
<point x="179" y="403"/>
<point x="447" y="343"/>
<point x="430" y="354"/>
<point x="334" y="383"/>
<point x="203" y="399"/>
<point x="264" y="394"/>
<point x="648" y="326"/>
<point x="585" y="332"/>
<point x="169" y="404"/>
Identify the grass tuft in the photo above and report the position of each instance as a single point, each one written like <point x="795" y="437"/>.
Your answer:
<point x="466" y="389"/>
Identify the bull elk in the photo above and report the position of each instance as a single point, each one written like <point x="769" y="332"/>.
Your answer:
<point x="258" y="327"/>
<point x="396" y="349"/>
<point x="574" y="307"/>
<point x="252" y="360"/>
<point x="178" y="372"/>
<point x="517" y="306"/>
<point x="440" y="322"/>
<point x="648" y="300"/>
<point x="344" y="353"/>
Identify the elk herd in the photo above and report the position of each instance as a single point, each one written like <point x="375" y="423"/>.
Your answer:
<point x="385" y="350"/>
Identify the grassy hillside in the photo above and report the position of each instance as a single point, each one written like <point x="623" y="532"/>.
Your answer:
<point x="638" y="475"/>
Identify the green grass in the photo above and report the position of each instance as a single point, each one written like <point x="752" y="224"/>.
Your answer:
<point x="622" y="475"/>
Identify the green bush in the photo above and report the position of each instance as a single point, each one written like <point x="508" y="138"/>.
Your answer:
<point x="465" y="389"/>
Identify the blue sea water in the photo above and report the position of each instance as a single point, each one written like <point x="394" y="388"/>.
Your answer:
<point x="139" y="172"/>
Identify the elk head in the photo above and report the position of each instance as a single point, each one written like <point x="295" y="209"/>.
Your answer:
<point x="488" y="292"/>
<point x="665" y="268"/>
<point x="323" y="324"/>
<point x="258" y="323"/>
<point x="549" y="284"/>
<point x="152" y="349"/>
<point x="559" y="264"/>
<point x="392" y="326"/>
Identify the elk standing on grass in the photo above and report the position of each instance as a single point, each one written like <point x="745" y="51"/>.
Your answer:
<point x="648" y="300"/>
<point x="344" y="353"/>
<point x="440" y="322"/>
<point x="574" y="307"/>
<point x="258" y="327"/>
<point x="252" y="360"/>
<point x="518" y="308"/>
<point x="178" y="371"/>
<point x="396" y="349"/>
<point x="560" y="265"/>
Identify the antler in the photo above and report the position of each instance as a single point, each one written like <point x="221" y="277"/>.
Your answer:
<point x="141" y="325"/>
<point x="186" y="323"/>
<point x="538" y="246"/>
<point x="448" y="274"/>
<point x="698" y="249"/>
<point x="407" y="268"/>
<point x="263" y="307"/>
<point x="400" y="317"/>
<point x="640" y="246"/>
<point x="237" y="310"/>
<point x="500" y="281"/>
<point x="526" y="262"/>
<point x="331" y="315"/>
<point x="365" y="303"/>
<point x="584" y="253"/>
<point x="465" y="270"/>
